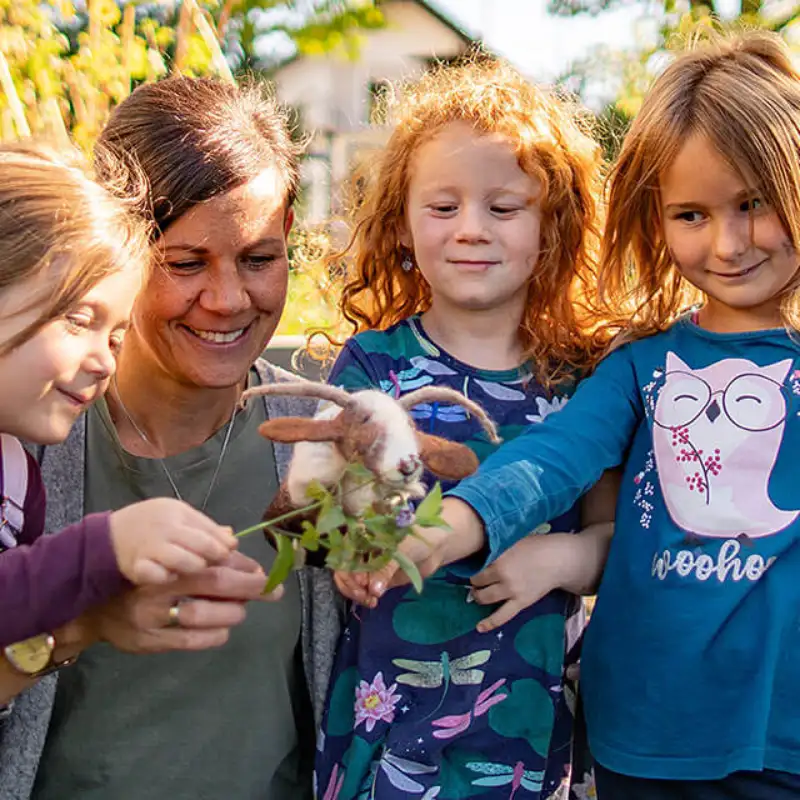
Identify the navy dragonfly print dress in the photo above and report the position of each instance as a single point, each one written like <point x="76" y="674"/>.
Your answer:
<point x="420" y="704"/>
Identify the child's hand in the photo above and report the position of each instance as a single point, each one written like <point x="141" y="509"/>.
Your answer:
<point x="158" y="539"/>
<point x="354" y="586"/>
<point x="430" y="549"/>
<point x="521" y="576"/>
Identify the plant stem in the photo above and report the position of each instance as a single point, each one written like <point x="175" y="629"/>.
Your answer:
<point x="272" y="522"/>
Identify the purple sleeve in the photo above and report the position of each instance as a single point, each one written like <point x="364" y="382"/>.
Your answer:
<point x="46" y="584"/>
<point x="35" y="504"/>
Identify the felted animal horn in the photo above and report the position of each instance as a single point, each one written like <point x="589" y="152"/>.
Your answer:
<point x="300" y="388"/>
<point x="429" y="394"/>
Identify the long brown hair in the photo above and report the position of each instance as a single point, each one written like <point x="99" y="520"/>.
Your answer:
<point x="742" y="93"/>
<point x="60" y="226"/>
<point x="550" y="137"/>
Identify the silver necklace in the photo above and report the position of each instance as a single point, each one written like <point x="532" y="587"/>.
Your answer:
<point x="169" y="477"/>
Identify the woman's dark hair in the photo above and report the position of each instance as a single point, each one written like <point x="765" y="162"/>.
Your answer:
<point x="196" y="138"/>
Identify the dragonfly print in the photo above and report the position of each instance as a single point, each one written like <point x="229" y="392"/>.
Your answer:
<point x="435" y="411"/>
<point x="398" y="772"/>
<point x="455" y="724"/>
<point x="502" y="774"/>
<point x="404" y="381"/>
<point x="334" y="784"/>
<point x="434" y="674"/>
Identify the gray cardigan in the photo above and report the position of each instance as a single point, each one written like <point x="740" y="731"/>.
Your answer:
<point x="23" y="733"/>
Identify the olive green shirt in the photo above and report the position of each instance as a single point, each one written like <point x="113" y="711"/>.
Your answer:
<point x="233" y="723"/>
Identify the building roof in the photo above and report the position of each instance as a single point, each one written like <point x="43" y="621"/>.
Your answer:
<point x="428" y="7"/>
<point x="441" y="17"/>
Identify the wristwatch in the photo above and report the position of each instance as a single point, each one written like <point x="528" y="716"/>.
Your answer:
<point x="35" y="657"/>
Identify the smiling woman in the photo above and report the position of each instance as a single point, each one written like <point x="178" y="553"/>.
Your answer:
<point x="222" y="170"/>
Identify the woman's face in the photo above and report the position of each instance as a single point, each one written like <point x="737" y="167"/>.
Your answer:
<point x="210" y="308"/>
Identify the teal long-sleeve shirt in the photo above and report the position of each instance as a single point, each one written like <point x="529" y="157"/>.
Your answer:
<point x="691" y="659"/>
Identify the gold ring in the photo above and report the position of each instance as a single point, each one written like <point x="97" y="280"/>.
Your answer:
<point x="174" y="618"/>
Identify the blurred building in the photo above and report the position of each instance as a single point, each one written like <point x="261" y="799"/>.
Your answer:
<point x="336" y="98"/>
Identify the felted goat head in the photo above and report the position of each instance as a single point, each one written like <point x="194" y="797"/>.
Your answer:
<point x="373" y="428"/>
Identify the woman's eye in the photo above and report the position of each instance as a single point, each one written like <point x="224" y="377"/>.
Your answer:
<point x="444" y="208"/>
<point x="259" y="262"/>
<point x="503" y="209"/>
<point x="689" y="216"/>
<point x="185" y="266"/>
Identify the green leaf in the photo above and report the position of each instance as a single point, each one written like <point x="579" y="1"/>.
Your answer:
<point x="330" y="519"/>
<point x="432" y="522"/>
<point x="282" y="565"/>
<point x="430" y="507"/>
<point x="310" y="538"/>
<point x="359" y="472"/>
<point x="380" y="523"/>
<point x="410" y="569"/>
<point x="316" y="491"/>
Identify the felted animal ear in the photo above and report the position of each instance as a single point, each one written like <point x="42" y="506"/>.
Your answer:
<point x="446" y="459"/>
<point x="301" y="429"/>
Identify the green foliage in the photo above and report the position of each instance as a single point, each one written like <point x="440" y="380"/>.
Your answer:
<point x="64" y="68"/>
<point x="362" y="543"/>
<point x="680" y="20"/>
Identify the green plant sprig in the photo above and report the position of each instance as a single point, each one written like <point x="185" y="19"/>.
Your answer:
<point x="354" y="543"/>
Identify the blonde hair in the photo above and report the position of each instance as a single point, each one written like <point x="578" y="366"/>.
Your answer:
<point x="551" y="141"/>
<point x="742" y="93"/>
<point x="57" y="224"/>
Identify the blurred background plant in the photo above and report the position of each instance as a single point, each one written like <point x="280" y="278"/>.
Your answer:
<point x="621" y="77"/>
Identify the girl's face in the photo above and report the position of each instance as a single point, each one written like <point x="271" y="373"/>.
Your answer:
<point x="207" y="314"/>
<point x="725" y="240"/>
<point x="49" y="380"/>
<point x="473" y="220"/>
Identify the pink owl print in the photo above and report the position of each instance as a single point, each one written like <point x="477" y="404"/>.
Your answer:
<point x="716" y="438"/>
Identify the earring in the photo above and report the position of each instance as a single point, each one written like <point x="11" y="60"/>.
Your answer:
<point x="407" y="263"/>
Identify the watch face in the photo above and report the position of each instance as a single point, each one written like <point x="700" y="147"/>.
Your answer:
<point x="31" y="655"/>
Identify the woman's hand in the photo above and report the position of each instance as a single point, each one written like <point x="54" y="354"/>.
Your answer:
<point x="210" y="603"/>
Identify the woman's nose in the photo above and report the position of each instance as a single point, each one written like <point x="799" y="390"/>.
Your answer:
<point x="226" y="293"/>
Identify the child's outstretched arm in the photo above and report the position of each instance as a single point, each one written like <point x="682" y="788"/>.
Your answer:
<point x="57" y="578"/>
<point x="536" y="477"/>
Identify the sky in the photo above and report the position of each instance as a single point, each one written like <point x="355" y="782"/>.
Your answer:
<point x="542" y="45"/>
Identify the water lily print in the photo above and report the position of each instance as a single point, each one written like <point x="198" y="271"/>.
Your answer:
<point x="375" y="703"/>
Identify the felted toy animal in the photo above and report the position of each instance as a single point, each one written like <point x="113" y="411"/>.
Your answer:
<point x="372" y="428"/>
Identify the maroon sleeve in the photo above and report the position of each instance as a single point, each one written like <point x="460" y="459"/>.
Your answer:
<point x="46" y="584"/>
<point x="35" y="504"/>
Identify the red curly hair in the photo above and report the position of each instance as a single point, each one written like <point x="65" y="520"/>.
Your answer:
<point x="553" y="146"/>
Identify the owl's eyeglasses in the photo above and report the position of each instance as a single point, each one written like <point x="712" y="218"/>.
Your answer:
<point x="748" y="401"/>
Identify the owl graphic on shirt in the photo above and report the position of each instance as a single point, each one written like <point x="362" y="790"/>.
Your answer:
<point x="716" y="436"/>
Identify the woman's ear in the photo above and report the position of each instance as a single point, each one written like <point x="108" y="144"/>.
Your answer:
<point x="288" y="221"/>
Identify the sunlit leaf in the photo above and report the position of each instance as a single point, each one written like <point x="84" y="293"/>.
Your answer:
<point x="282" y="565"/>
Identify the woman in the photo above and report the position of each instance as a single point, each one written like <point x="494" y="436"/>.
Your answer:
<point x="235" y="722"/>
